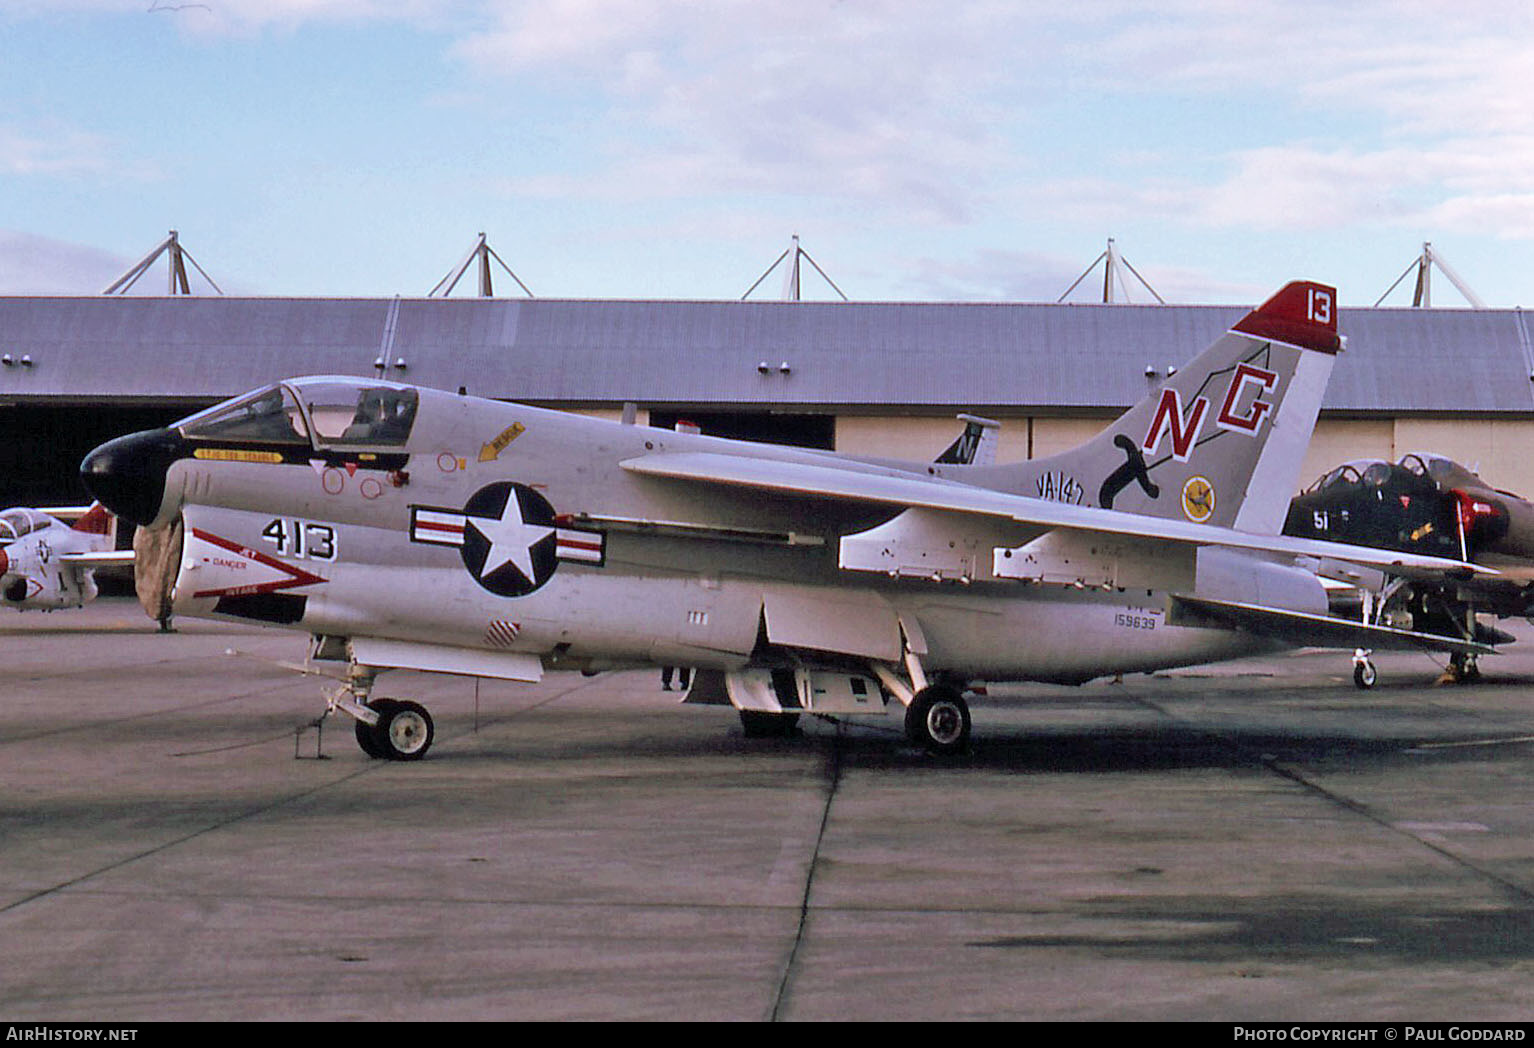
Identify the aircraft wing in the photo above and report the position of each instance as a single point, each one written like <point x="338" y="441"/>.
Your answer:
<point x="103" y="559"/>
<point x="1318" y="631"/>
<point x="811" y="480"/>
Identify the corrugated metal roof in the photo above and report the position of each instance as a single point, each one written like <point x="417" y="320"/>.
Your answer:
<point x="922" y="355"/>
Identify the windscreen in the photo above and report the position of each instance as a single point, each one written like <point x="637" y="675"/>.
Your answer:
<point x="267" y="416"/>
<point x="14" y="523"/>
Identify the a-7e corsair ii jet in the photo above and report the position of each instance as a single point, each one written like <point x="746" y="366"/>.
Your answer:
<point x="413" y="528"/>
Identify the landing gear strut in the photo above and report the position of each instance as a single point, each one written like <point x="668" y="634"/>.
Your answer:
<point x="1463" y="668"/>
<point x="936" y="715"/>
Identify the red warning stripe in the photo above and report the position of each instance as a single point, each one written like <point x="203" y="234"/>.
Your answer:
<point x="296" y="576"/>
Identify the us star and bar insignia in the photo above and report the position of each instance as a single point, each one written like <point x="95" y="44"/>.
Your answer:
<point x="507" y="537"/>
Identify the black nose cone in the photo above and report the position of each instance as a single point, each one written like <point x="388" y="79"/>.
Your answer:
<point x="127" y="475"/>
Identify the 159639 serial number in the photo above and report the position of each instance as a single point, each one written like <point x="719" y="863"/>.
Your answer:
<point x="1132" y="621"/>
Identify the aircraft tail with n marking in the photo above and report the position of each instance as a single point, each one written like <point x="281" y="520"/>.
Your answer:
<point x="1220" y="442"/>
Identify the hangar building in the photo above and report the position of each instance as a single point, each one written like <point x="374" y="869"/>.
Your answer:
<point x="862" y="377"/>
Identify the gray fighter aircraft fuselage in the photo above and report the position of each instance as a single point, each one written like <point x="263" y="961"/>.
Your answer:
<point x="596" y="567"/>
<point x="405" y="527"/>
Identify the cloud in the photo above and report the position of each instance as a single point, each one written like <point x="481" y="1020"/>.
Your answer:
<point x="53" y="149"/>
<point x="34" y="265"/>
<point x="877" y="104"/>
<point x="1022" y="276"/>
<point x="1301" y="188"/>
<point x="1404" y="112"/>
<point x="915" y="113"/>
<point x="1007" y="122"/>
<point x="251" y="17"/>
<point x="1506" y="215"/>
<point x="1412" y="114"/>
<point x="1454" y="184"/>
<point x="1450" y="185"/>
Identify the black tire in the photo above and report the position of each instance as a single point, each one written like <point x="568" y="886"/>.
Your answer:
<point x="1465" y="669"/>
<point x="1364" y="675"/>
<point x="759" y="725"/>
<point x="405" y="730"/>
<point x="938" y="720"/>
<point x="368" y="735"/>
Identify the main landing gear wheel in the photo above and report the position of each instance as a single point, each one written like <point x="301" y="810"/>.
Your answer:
<point x="368" y="734"/>
<point x="1364" y="672"/>
<point x="1464" y="669"/>
<point x="404" y="731"/>
<point x="938" y="720"/>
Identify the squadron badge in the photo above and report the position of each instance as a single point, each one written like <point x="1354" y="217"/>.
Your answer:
<point x="1198" y="499"/>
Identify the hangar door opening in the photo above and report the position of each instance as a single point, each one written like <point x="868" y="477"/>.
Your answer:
<point x="45" y="443"/>
<point x="764" y="427"/>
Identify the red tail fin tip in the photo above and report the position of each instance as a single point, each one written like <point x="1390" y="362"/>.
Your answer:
<point x="95" y="521"/>
<point x="1301" y="314"/>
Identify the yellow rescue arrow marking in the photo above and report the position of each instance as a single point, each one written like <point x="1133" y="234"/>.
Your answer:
<point x="492" y="451"/>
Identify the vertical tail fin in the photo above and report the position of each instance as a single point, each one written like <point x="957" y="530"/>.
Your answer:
<point x="1221" y="441"/>
<point x="976" y="446"/>
<point x="97" y="520"/>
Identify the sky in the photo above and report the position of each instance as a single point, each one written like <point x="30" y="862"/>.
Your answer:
<point x="970" y="151"/>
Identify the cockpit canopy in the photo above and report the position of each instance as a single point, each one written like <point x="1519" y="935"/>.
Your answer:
<point x="1445" y="472"/>
<point x="1371" y="472"/>
<point x="1375" y="473"/>
<point x="14" y="523"/>
<point x="1414" y="469"/>
<point x="327" y="412"/>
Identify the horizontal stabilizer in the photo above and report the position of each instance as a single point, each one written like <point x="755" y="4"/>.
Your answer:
<point x="102" y="559"/>
<point x="1318" y="631"/>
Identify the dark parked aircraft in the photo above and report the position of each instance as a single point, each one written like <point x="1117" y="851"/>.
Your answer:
<point x="1428" y="504"/>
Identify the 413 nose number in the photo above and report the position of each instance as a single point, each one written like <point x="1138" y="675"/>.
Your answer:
<point x="301" y="538"/>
